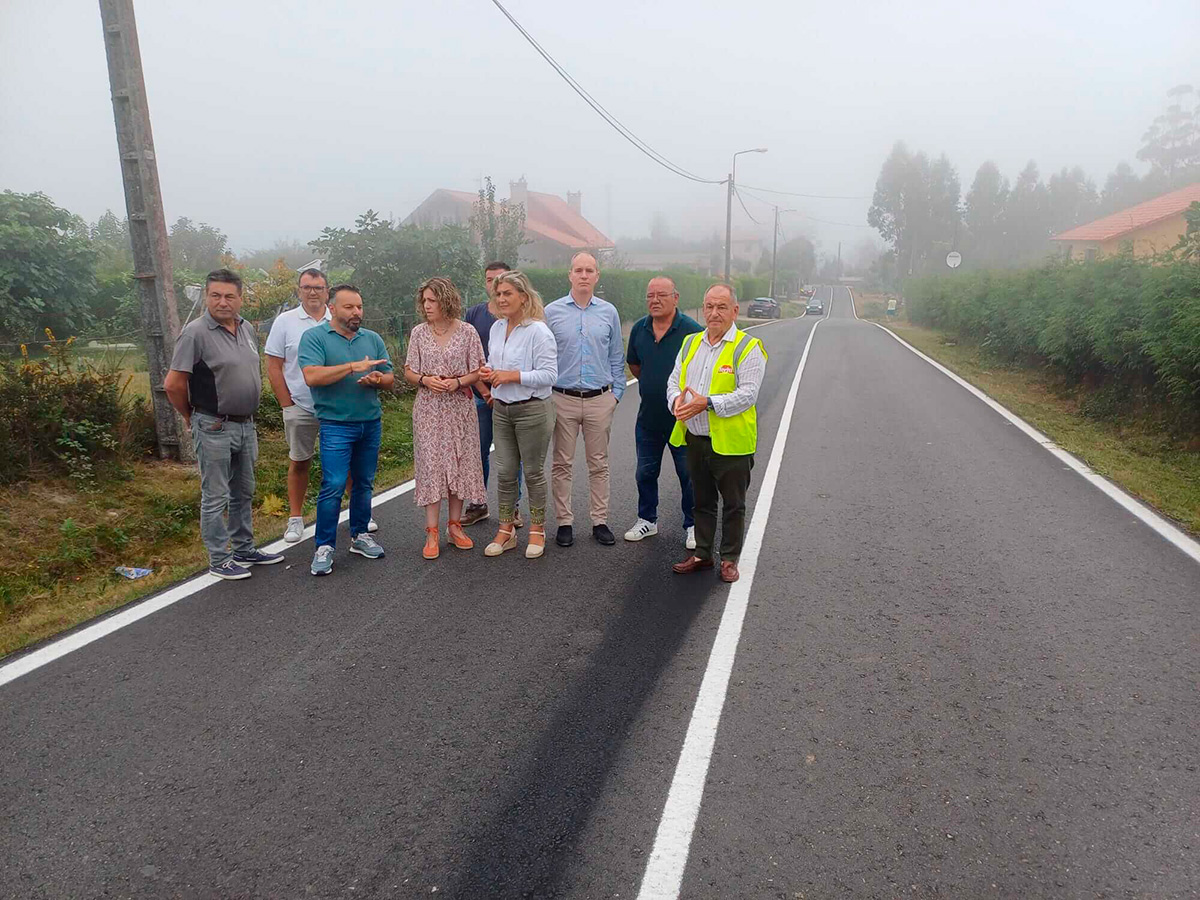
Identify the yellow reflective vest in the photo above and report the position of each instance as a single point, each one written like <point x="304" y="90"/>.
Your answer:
<point x="731" y="435"/>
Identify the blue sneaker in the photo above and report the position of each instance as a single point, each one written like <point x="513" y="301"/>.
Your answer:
<point x="256" y="558"/>
<point x="365" y="545"/>
<point x="229" y="571"/>
<point x="322" y="563"/>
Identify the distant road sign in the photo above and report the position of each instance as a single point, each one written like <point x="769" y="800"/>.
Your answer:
<point x="954" y="259"/>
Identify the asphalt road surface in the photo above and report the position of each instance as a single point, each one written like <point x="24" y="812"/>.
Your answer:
<point x="963" y="672"/>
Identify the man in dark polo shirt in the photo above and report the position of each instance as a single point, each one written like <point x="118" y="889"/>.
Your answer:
<point x="215" y="382"/>
<point x="654" y="343"/>
<point x="346" y="366"/>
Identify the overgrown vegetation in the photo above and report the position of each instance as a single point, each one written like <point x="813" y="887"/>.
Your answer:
<point x="1133" y="324"/>
<point x="67" y="415"/>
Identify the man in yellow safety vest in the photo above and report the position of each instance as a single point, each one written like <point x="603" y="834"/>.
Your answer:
<point x="712" y="391"/>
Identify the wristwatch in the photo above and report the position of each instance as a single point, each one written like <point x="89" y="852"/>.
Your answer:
<point x="710" y="405"/>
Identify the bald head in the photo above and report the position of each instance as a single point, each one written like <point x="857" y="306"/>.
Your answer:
<point x="583" y="275"/>
<point x="661" y="298"/>
<point x="720" y="310"/>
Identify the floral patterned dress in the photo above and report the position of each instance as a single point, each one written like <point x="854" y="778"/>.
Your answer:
<point x="446" y="426"/>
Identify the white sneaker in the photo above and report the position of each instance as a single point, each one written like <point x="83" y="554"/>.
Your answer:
<point x="372" y="526"/>
<point x="295" y="530"/>
<point x="641" y="529"/>
<point x="690" y="543"/>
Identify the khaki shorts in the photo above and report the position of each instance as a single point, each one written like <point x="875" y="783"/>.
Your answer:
<point x="300" y="428"/>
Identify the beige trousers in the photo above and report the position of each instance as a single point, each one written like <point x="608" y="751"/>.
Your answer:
<point x="594" y="416"/>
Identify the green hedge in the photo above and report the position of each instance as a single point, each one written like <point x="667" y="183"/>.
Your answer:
<point x="627" y="290"/>
<point x="1120" y="318"/>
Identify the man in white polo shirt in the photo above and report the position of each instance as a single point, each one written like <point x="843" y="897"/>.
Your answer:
<point x="300" y="425"/>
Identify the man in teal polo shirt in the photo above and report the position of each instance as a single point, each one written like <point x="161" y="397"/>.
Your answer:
<point x="346" y="365"/>
<point x="654" y="344"/>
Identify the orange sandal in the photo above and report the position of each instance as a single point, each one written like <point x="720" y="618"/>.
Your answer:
<point x="432" y="543"/>
<point x="458" y="537"/>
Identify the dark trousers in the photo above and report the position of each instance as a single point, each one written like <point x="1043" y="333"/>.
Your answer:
<point x="650" y="444"/>
<point x="724" y="479"/>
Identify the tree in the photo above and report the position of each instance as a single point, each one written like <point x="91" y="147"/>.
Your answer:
<point x="199" y="248"/>
<point x="269" y="296"/>
<point x="916" y="206"/>
<point x="1071" y="199"/>
<point x="293" y="253"/>
<point x="797" y="259"/>
<point x="499" y="226"/>
<point x="985" y="206"/>
<point x="110" y="236"/>
<point x="1026" y="218"/>
<point x="1122" y="189"/>
<point x="47" y="268"/>
<point x="1172" y="142"/>
<point x="390" y="262"/>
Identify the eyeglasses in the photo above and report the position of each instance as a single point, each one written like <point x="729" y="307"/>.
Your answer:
<point x="660" y="296"/>
<point x="313" y="288"/>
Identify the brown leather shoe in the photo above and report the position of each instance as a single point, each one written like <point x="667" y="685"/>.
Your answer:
<point x="729" y="571"/>
<point x="690" y="565"/>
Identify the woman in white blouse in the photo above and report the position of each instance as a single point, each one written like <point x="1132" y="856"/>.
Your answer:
<point x="522" y="366"/>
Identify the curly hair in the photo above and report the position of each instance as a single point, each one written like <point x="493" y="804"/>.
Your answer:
<point x="532" y="307"/>
<point x="446" y="295"/>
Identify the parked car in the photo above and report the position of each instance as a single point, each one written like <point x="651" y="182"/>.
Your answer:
<point x="816" y="307"/>
<point x="764" y="308"/>
<point x="807" y="291"/>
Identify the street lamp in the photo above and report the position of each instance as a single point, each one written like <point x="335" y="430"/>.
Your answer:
<point x="729" y="210"/>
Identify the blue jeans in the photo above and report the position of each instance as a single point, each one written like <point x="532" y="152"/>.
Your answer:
<point x="650" y="446"/>
<point x="484" y="412"/>
<point x="348" y="449"/>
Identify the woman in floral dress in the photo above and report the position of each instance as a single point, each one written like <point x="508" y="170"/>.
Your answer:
<point x="444" y="358"/>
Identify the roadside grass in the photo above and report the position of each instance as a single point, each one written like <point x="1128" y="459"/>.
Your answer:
<point x="56" y="566"/>
<point x="1135" y="450"/>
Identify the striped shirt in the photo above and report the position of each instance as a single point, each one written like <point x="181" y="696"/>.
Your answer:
<point x="749" y="379"/>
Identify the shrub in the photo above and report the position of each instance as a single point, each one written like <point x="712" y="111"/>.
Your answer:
<point x="1134" y="322"/>
<point x="59" y="413"/>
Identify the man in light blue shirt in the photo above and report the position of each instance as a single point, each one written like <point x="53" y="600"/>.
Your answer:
<point x="591" y="380"/>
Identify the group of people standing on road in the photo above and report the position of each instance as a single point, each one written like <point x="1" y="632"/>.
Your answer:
<point x="507" y="372"/>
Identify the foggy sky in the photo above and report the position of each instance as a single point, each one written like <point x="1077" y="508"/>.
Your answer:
<point x="273" y="120"/>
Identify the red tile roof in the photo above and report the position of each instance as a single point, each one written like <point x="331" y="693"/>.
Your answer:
<point x="1135" y="217"/>
<point x="551" y="217"/>
<point x="546" y="216"/>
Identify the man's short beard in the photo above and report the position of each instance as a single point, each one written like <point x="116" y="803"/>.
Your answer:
<point x="352" y="325"/>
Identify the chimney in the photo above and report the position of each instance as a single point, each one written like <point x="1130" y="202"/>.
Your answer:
<point x="518" y="192"/>
<point x="575" y="201"/>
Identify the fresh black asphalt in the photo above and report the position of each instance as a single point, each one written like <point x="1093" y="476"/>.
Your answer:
<point x="964" y="672"/>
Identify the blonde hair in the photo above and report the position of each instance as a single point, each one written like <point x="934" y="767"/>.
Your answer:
<point x="446" y="295"/>
<point x="532" y="307"/>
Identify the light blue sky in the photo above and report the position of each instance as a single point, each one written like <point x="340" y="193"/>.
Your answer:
<point x="273" y="120"/>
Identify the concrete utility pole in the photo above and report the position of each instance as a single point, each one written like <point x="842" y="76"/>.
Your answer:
<point x="147" y="223"/>
<point x="774" y="252"/>
<point x="729" y="212"/>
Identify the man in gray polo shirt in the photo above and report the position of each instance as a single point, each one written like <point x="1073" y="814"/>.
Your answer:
<point x="215" y="382"/>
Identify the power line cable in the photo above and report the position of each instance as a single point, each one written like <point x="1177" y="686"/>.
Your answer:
<point x="599" y="109"/>
<point x="739" y="188"/>
<point x="809" y="196"/>
<point x="738" y="194"/>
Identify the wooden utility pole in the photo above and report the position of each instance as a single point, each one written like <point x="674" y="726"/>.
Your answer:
<point x="153" y="273"/>
<point x="774" y="252"/>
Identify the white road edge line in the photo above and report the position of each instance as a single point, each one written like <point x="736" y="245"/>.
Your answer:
<point x="139" y="610"/>
<point x="668" y="858"/>
<point x="1160" y="525"/>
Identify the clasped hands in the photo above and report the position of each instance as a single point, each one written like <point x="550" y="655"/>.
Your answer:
<point x="686" y="408"/>
<point x="499" y="376"/>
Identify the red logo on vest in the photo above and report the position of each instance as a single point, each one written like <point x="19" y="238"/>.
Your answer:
<point x="725" y="370"/>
